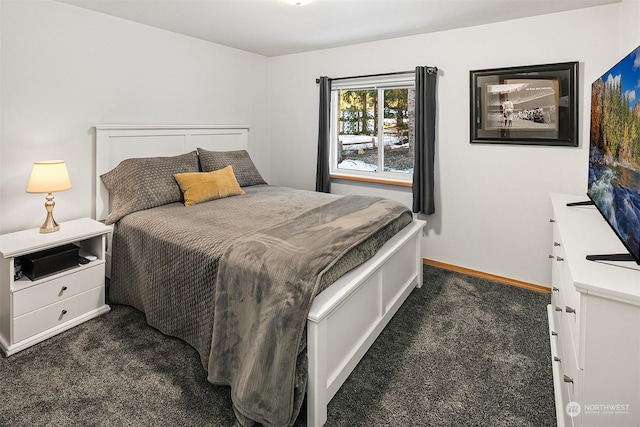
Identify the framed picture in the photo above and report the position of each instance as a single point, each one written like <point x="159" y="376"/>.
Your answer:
<point x="536" y="104"/>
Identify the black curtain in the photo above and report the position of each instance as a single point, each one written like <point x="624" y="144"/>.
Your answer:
<point x="323" y="181"/>
<point x="425" y="140"/>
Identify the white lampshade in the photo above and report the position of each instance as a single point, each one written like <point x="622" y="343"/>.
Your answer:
<point x="49" y="177"/>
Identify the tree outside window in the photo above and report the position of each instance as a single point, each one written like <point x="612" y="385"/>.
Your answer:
<point x="373" y="135"/>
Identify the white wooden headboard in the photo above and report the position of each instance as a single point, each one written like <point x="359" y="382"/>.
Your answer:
<point x="115" y="143"/>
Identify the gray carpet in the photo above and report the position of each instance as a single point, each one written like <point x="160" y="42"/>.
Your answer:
<point x="461" y="351"/>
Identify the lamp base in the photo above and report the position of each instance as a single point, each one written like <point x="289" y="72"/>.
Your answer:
<point x="50" y="225"/>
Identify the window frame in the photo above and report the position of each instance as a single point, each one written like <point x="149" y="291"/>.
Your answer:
<point x="379" y="83"/>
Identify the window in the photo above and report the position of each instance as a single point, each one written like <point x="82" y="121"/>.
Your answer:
<point x="372" y="122"/>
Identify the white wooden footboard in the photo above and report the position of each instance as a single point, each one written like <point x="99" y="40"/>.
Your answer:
<point x="348" y="316"/>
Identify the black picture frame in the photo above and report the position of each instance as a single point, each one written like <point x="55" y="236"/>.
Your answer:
<point x="528" y="105"/>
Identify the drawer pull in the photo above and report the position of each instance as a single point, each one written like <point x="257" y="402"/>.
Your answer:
<point x="554" y="289"/>
<point x="569" y="309"/>
<point x="556" y="244"/>
<point x="558" y="308"/>
<point x="559" y="258"/>
<point x="552" y="220"/>
<point x="64" y="288"/>
<point x="568" y="379"/>
<point x="556" y="359"/>
<point x="62" y="313"/>
<point x="554" y="333"/>
<point x="550" y="256"/>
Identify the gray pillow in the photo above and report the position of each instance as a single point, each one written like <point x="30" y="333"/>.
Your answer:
<point x="243" y="167"/>
<point x="143" y="183"/>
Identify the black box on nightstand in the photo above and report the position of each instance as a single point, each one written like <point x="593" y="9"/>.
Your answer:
<point x="43" y="263"/>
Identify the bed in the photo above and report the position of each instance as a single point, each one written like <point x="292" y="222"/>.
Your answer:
<point x="160" y="261"/>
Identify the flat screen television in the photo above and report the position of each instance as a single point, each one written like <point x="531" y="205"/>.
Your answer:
<point x="614" y="153"/>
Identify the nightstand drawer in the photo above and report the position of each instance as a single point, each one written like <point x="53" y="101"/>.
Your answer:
<point x="56" y="314"/>
<point x="56" y="290"/>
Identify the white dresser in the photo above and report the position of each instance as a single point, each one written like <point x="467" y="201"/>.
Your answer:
<point x="32" y="311"/>
<point x="594" y="321"/>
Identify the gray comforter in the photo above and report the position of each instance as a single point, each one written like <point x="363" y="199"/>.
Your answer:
<point x="184" y="266"/>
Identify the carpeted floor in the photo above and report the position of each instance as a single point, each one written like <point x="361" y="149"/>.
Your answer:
<point x="461" y="351"/>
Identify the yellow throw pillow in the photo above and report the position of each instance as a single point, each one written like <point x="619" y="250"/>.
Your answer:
<point x="198" y="187"/>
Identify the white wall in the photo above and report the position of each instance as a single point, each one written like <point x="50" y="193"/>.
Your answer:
<point x="65" y="69"/>
<point x="492" y="201"/>
<point x="629" y="13"/>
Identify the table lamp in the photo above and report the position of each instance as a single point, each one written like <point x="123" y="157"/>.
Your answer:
<point x="48" y="177"/>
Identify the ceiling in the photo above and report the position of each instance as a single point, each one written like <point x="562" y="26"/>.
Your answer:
<point x="274" y="27"/>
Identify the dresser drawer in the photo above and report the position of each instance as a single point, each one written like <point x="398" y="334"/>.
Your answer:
<point x="571" y="310"/>
<point x="557" y="264"/>
<point x="56" y="314"/>
<point x="56" y="290"/>
<point x="570" y="294"/>
<point x="567" y="297"/>
<point x="570" y="380"/>
<point x="561" y="388"/>
<point x="569" y="358"/>
<point x="556" y="281"/>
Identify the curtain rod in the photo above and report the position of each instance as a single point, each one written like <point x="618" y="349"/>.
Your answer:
<point x="430" y="70"/>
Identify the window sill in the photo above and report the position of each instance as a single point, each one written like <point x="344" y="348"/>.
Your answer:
<point x="372" y="180"/>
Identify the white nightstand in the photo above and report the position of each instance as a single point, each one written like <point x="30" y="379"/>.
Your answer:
<point x="32" y="311"/>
